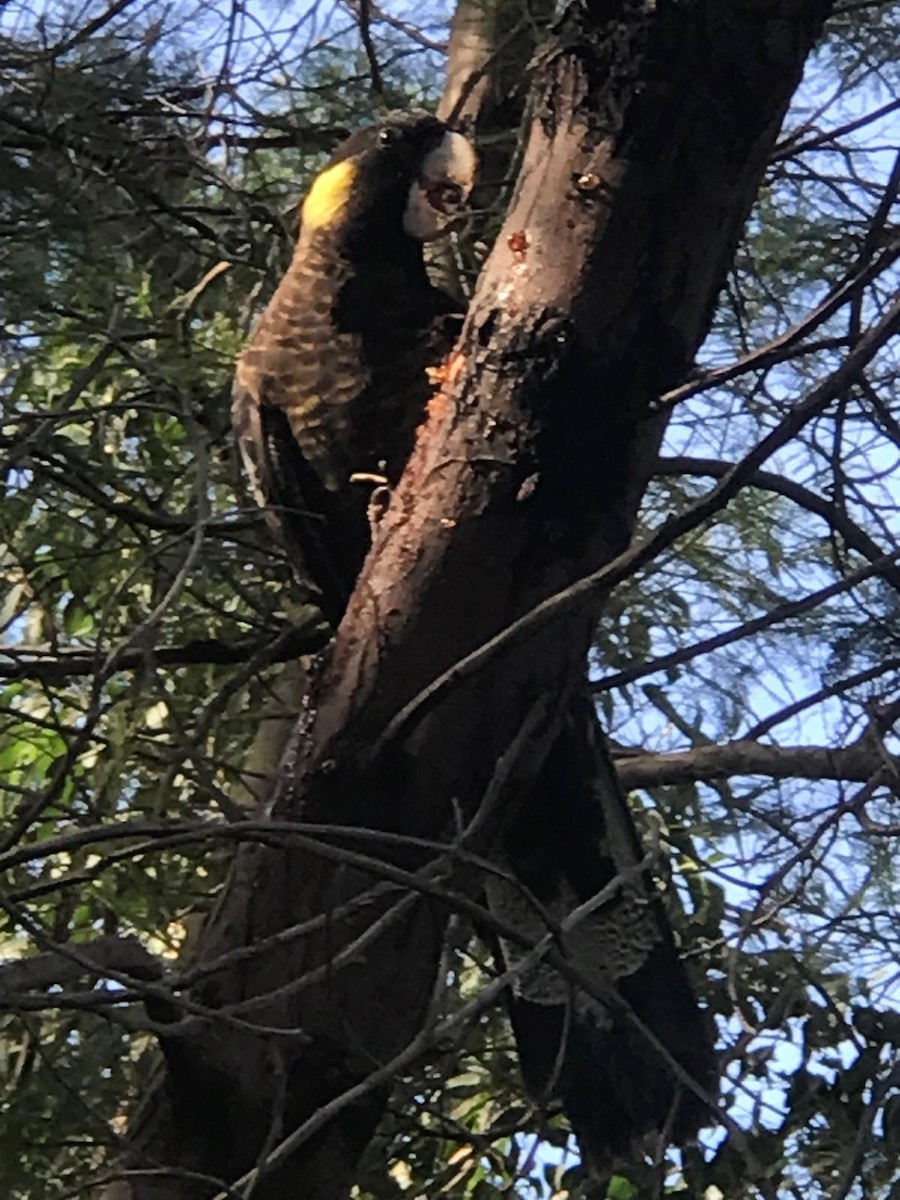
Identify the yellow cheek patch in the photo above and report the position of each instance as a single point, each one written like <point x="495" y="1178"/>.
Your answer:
<point x="328" y="195"/>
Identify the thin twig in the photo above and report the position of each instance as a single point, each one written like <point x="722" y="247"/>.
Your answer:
<point x="563" y="603"/>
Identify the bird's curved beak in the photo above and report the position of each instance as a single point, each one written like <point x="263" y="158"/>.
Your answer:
<point x="439" y="198"/>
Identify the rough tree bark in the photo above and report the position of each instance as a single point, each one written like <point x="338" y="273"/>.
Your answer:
<point x="651" y="127"/>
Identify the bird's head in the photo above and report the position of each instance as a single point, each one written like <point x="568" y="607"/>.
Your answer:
<point x="408" y="174"/>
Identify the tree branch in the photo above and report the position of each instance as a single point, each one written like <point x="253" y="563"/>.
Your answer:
<point x="838" y="688"/>
<point x="855" y="763"/>
<point x="789" y="344"/>
<point x="55" y="666"/>
<point x="123" y="955"/>
<point x="775" y="616"/>
<point x="839" y="521"/>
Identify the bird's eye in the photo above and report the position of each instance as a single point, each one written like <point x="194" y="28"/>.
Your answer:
<point x="388" y="135"/>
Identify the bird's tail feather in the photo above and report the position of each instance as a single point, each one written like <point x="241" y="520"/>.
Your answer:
<point x="606" y="1052"/>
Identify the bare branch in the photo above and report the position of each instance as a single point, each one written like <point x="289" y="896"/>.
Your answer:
<point x="790" y="344"/>
<point x="123" y="955"/>
<point x="855" y="763"/>
<point x="775" y="616"/>
<point x="837" y="518"/>
<point x="55" y="666"/>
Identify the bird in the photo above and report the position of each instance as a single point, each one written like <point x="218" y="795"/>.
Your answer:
<point x="333" y="383"/>
<point x="630" y="1055"/>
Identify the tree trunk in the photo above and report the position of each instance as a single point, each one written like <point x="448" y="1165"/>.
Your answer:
<point x="651" y="128"/>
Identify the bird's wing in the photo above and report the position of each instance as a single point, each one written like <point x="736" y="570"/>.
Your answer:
<point x="310" y="521"/>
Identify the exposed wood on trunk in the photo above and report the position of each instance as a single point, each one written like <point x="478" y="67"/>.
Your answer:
<point x="652" y="125"/>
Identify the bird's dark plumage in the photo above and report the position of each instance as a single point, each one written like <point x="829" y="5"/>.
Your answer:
<point x="604" y="1055"/>
<point x="333" y="383"/>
